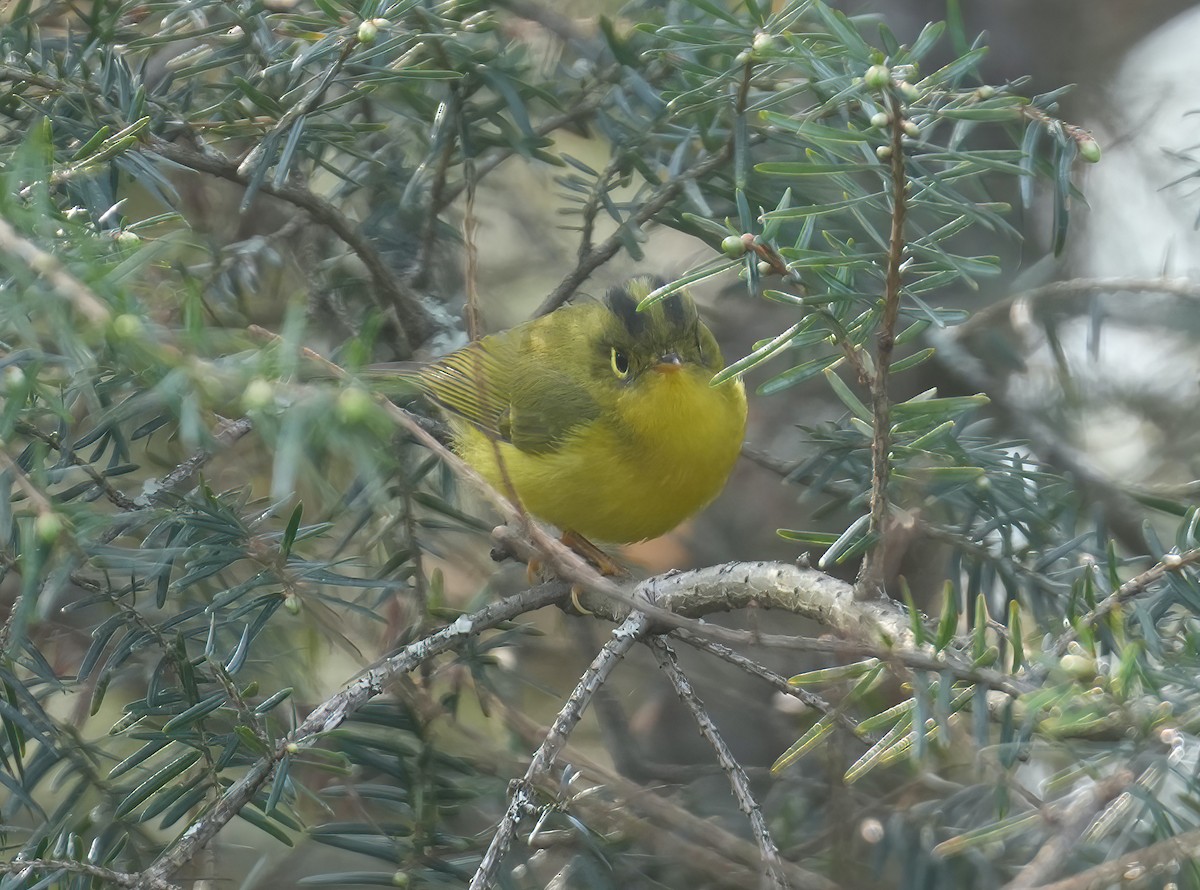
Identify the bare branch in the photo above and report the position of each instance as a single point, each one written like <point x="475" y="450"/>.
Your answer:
<point x="183" y="476"/>
<point x="257" y="155"/>
<point x="580" y="110"/>
<point x="522" y="801"/>
<point x="330" y="714"/>
<point x="988" y="316"/>
<point x="1033" y="113"/>
<point x="119" y="878"/>
<point x="116" y="497"/>
<point x="665" y="657"/>
<point x="778" y="681"/>
<point x="41" y="504"/>
<point x="614" y="799"/>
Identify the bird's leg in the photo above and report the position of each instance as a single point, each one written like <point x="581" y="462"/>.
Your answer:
<point x="597" y="558"/>
<point x="601" y="561"/>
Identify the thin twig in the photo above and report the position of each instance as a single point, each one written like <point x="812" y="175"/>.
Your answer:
<point x="640" y="812"/>
<point x="41" y="503"/>
<point x="119" y="878"/>
<point x="657" y="201"/>
<point x="855" y="353"/>
<point x="768" y="461"/>
<point x="48" y="266"/>
<point x="561" y="26"/>
<point x="592" y="206"/>
<point x="615" y="732"/>
<point x="183" y="476"/>
<point x="401" y="307"/>
<point x="870" y="576"/>
<point x="43" y="507"/>
<point x="852" y="351"/>
<point x="1033" y="113"/>
<point x="522" y="801"/>
<point x="778" y="681"/>
<point x="580" y="110"/>
<point x="330" y="714"/>
<point x="713" y="840"/>
<point x="671" y="821"/>
<point x="249" y="165"/>
<point x="116" y="497"/>
<point x="470" y="226"/>
<point x="437" y="190"/>
<point x="420" y="585"/>
<point x="665" y="657"/>
<point x="1171" y="562"/>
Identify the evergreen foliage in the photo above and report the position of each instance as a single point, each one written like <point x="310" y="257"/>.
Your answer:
<point x="210" y="529"/>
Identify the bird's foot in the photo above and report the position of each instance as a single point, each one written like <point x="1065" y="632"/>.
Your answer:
<point x="601" y="561"/>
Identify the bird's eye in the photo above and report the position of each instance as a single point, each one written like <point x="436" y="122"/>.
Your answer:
<point x="620" y="363"/>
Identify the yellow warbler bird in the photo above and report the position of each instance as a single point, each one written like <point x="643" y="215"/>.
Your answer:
<point x="603" y="416"/>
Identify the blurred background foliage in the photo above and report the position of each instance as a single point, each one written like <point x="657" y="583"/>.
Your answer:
<point x="208" y="532"/>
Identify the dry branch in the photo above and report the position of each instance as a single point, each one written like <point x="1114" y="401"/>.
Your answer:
<point x="737" y="776"/>
<point x="522" y="800"/>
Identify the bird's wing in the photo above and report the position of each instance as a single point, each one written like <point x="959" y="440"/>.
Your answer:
<point x="457" y="383"/>
<point x="482" y="384"/>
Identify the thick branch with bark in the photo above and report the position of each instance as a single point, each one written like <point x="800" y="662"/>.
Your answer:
<point x="697" y="593"/>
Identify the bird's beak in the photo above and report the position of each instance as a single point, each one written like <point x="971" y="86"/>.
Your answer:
<point x="668" y="363"/>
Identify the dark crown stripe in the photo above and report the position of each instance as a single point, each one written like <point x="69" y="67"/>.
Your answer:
<point x="674" y="311"/>
<point x="624" y="307"/>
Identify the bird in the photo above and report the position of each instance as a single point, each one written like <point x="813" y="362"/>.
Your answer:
<point x="601" y="416"/>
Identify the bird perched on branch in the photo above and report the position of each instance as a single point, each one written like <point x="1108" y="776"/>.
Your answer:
<point x="600" y="416"/>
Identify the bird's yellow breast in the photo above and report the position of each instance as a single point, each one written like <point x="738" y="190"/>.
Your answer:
<point x="661" y="454"/>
